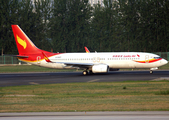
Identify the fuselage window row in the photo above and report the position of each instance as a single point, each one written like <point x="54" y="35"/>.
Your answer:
<point x="88" y="59"/>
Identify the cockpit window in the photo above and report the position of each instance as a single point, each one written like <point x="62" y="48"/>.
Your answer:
<point x="157" y="57"/>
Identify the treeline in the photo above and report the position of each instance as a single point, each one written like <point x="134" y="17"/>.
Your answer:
<point x="69" y="25"/>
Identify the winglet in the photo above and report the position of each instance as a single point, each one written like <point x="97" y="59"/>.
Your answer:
<point x="86" y="49"/>
<point x="46" y="58"/>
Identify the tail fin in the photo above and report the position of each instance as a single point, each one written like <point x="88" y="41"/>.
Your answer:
<point x="24" y="44"/>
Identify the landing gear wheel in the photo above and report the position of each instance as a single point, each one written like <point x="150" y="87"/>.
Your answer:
<point x="85" y="72"/>
<point x="151" y="71"/>
<point x="90" y="72"/>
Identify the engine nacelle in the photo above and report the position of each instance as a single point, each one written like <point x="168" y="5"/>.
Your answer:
<point x="100" y="68"/>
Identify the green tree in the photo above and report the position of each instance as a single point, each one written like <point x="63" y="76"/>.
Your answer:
<point x="105" y="26"/>
<point x="42" y="10"/>
<point x="33" y="20"/>
<point x="130" y="21"/>
<point x="69" y="25"/>
<point x="153" y="21"/>
<point x="8" y="15"/>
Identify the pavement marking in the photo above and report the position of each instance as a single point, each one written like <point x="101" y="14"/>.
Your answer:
<point x="161" y="78"/>
<point x="20" y="95"/>
<point x="94" y="80"/>
<point x="33" y="83"/>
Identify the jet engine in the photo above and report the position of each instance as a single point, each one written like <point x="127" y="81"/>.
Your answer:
<point x="100" y="68"/>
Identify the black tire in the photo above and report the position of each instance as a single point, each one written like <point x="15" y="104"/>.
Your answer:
<point x="85" y="72"/>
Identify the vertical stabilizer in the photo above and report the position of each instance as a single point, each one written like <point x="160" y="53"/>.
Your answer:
<point x="24" y="44"/>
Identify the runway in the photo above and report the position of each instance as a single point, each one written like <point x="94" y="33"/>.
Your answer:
<point x="14" y="79"/>
<point x="138" y="115"/>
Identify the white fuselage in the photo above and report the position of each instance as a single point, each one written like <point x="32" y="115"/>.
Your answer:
<point x="114" y="60"/>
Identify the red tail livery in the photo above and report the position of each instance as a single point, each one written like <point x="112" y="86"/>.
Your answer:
<point x="28" y="52"/>
<point x="24" y="44"/>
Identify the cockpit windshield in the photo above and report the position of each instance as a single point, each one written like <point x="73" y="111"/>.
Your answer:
<point x="157" y="57"/>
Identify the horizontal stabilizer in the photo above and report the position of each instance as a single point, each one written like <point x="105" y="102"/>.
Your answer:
<point x="20" y="56"/>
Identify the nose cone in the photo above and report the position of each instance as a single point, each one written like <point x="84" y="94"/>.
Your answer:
<point x="164" y="61"/>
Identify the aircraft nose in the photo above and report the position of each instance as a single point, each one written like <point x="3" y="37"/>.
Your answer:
<point x="164" y="61"/>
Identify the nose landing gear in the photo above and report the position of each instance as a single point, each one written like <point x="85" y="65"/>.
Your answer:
<point x="151" y="71"/>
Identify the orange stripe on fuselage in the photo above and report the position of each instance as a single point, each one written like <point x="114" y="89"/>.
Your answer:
<point x="148" y="61"/>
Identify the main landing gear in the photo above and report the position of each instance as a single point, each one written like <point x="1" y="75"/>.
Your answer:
<point x="151" y="71"/>
<point x="86" y="72"/>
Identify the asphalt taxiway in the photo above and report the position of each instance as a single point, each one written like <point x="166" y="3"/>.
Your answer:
<point x="14" y="79"/>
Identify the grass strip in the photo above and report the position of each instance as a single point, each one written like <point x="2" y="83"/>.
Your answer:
<point x="107" y="96"/>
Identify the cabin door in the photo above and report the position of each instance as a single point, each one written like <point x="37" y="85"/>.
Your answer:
<point x="38" y="59"/>
<point x="147" y="59"/>
<point x="96" y="59"/>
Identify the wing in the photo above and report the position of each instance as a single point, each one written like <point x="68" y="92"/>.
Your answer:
<point x="73" y="64"/>
<point x="81" y="65"/>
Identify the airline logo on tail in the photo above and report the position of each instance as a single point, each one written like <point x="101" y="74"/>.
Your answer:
<point x="21" y="42"/>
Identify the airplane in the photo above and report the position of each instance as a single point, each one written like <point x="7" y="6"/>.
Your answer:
<point x="100" y="62"/>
